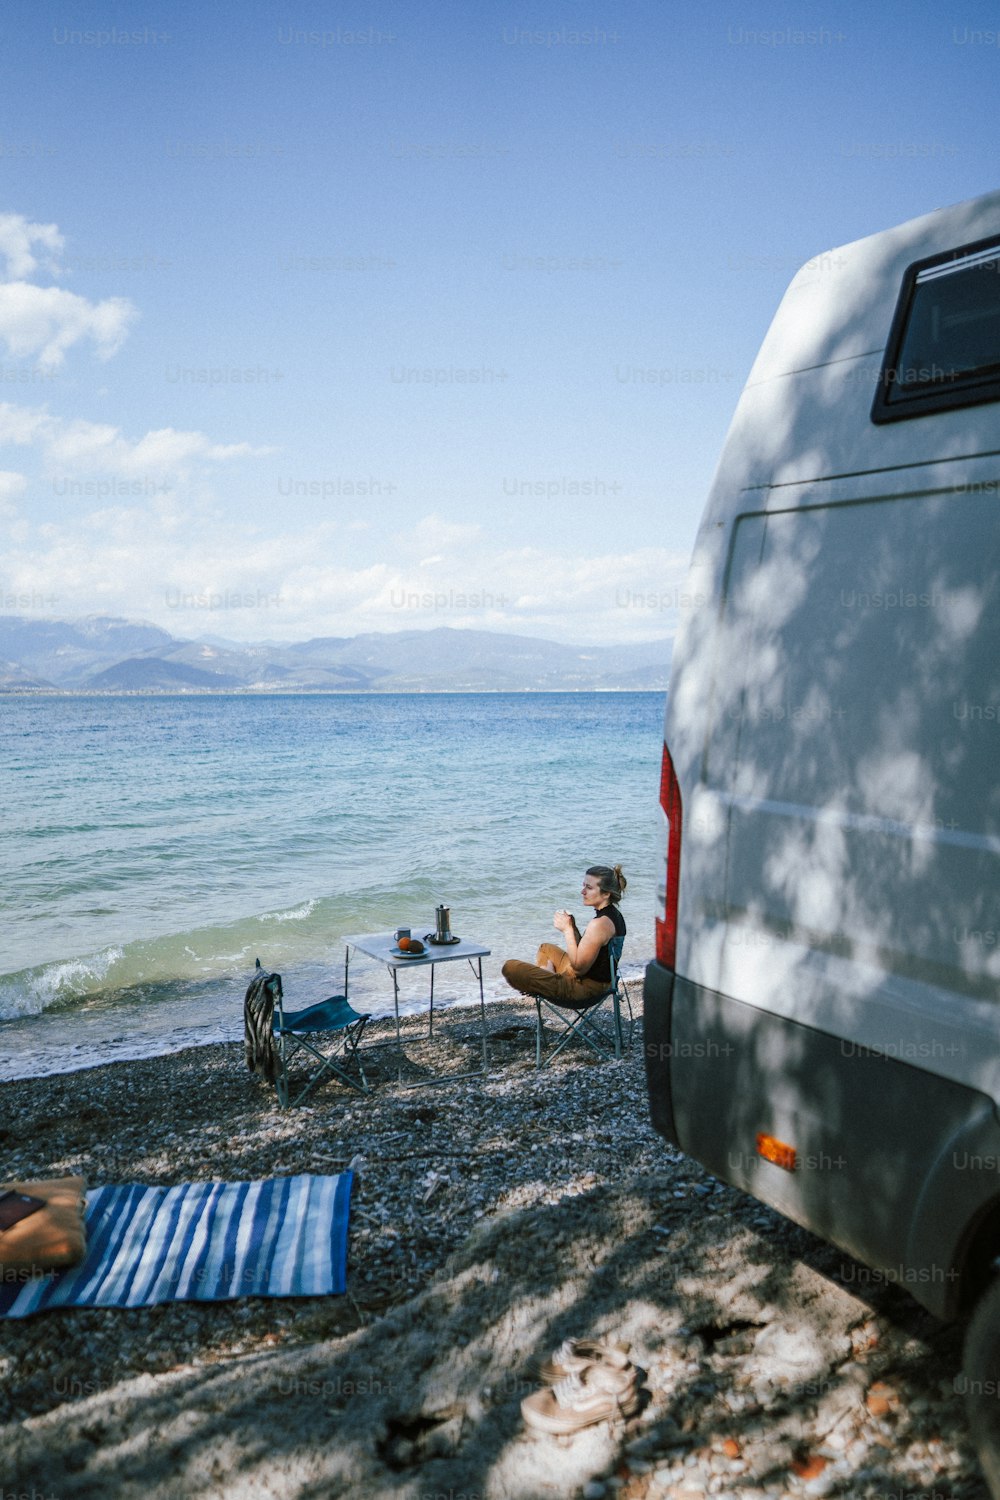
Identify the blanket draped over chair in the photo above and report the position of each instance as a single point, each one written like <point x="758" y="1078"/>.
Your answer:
<point x="258" y="1034"/>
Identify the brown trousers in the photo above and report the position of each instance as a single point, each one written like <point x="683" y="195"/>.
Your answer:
<point x="563" y="987"/>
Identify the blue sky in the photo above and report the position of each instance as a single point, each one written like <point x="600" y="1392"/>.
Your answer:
<point x="321" y="318"/>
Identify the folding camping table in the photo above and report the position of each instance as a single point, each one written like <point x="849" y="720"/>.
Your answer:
<point x="381" y="946"/>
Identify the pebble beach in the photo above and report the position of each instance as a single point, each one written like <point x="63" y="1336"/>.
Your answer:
<point x="490" y="1219"/>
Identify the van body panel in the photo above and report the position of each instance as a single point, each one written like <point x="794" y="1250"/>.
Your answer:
<point x="858" y="774"/>
<point x="851" y="769"/>
<point x="865" y="1128"/>
<point x="785" y="432"/>
<point x="657" y="1006"/>
<point x="834" y="725"/>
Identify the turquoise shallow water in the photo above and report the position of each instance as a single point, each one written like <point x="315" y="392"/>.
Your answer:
<point x="153" y="847"/>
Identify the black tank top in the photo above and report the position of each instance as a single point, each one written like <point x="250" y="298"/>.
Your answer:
<point x="601" y="967"/>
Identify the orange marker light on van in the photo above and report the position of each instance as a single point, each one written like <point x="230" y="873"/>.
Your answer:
<point x="771" y="1149"/>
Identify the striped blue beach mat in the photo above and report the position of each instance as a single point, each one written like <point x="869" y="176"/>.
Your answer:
<point x="199" y="1241"/>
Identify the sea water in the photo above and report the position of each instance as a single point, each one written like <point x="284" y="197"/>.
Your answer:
<point x="154" y="847"/>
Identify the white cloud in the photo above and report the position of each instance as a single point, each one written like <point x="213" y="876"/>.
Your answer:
<point x="163" y="560"/>
<point x="11" y="485"/>
<point x="628" y="596"/>
<point x="23" y="425"/>
<point x="46" y="321"/>
<point x="98" y="447"/>
<point x="433" y="534"/>
<point x="18" y="237"/>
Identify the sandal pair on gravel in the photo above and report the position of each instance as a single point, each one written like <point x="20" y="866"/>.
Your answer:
<point x="586" y="1381"/>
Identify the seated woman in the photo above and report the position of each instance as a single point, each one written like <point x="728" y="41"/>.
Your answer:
<point x="580" y="973"/>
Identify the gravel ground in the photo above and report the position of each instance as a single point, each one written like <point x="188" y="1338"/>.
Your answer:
<point x="490" y="1220"/>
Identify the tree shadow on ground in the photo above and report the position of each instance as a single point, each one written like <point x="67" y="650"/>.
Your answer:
<point x="425" y="1401"/>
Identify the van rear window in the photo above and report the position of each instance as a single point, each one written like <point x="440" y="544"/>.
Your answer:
<point x="944" y="346"/>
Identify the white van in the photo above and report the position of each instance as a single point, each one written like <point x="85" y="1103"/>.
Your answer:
<point x="822" y="1020"/>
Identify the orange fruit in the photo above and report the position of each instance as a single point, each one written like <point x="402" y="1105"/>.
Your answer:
<point x="403" y="944"/>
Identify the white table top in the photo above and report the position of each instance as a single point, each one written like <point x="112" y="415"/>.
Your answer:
<point x="380" y="945"/>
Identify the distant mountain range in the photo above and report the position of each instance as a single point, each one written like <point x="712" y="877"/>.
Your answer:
<point x="102" y="654"/>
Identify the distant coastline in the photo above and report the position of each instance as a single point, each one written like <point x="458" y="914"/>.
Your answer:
<point x="107" y="656"/>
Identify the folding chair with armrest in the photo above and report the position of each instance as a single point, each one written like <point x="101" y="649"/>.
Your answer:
<point x="583" y="1025"/>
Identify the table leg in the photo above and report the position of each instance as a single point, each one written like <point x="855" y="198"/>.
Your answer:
<point x="431" y="1028"/>
<point x="399" y="1039"/>
<point x="482" y="1011"/>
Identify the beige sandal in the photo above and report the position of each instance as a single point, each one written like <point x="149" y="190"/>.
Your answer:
<point x="596" y="1394"/>
<point x="574" y="1355"/>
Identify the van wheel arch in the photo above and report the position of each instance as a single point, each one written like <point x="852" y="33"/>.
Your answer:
<point x="981" y="1370"/>
<point x="978" y="1258"/>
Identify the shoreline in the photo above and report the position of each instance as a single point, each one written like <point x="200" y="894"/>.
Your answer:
<point x="227" y="1031"/>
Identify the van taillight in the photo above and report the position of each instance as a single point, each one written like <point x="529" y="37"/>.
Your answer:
<point x="666" y="920"/>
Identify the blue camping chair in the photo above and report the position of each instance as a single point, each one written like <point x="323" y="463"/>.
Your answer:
<point x="329" y="1032"/>
<point x="604" y="1037"/>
